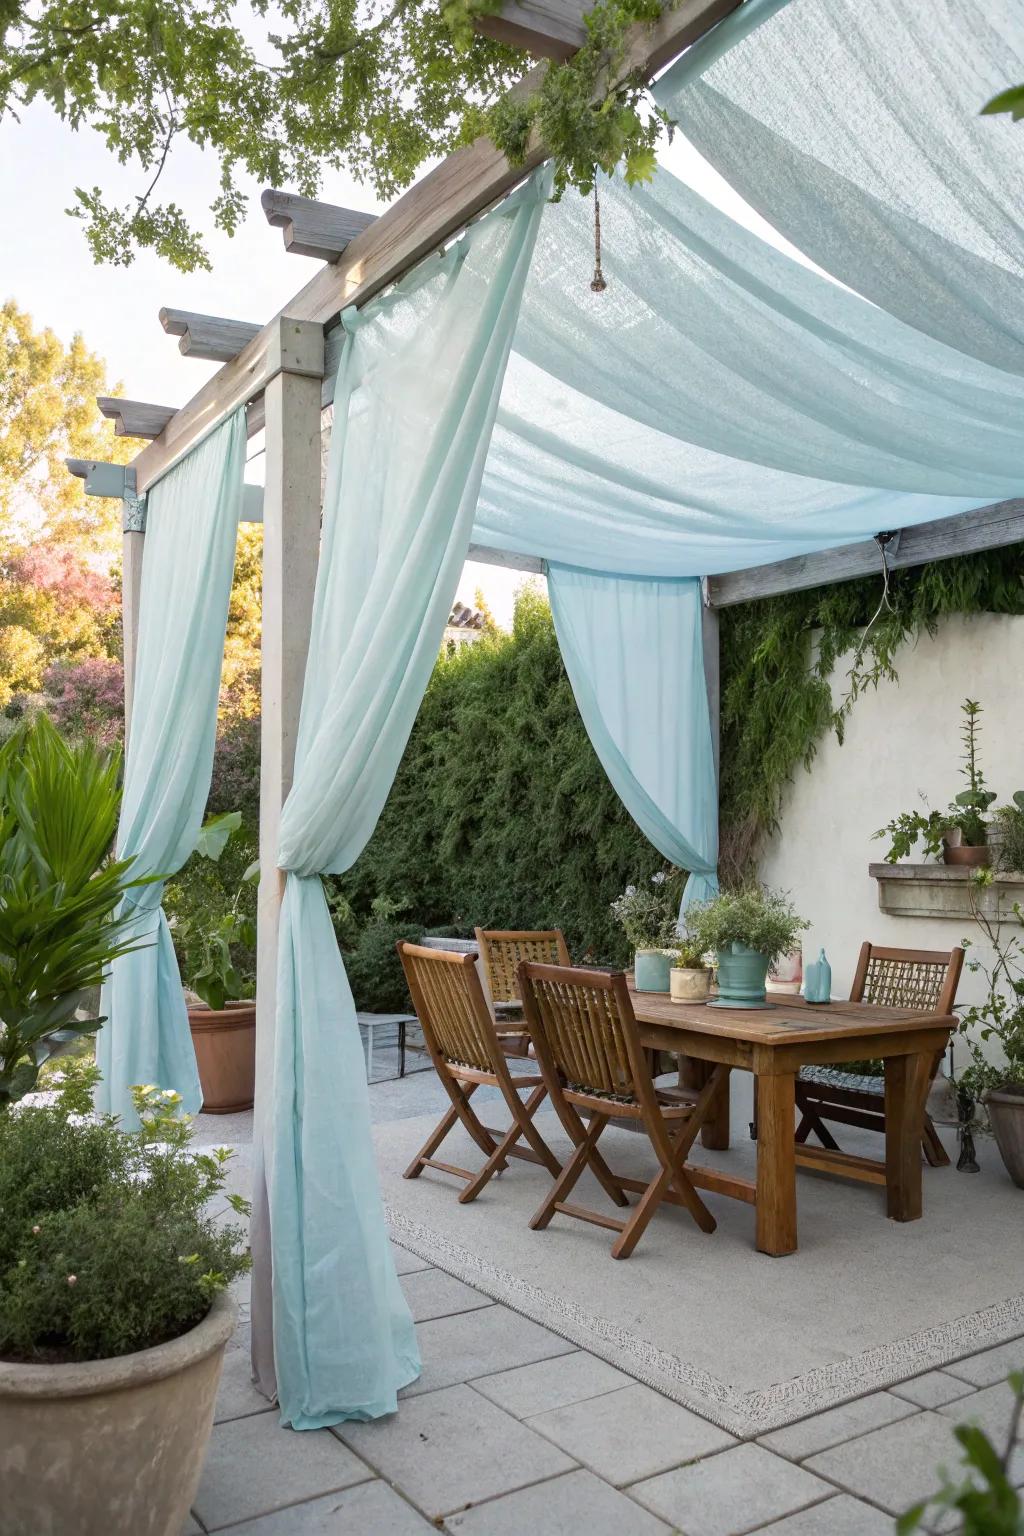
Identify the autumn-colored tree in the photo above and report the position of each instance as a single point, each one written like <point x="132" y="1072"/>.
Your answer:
<point x="240" y="678"/>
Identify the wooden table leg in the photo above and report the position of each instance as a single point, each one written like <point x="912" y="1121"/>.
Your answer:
<point x="776" y="1164"/>
<point x="694" y="1073"/>
<point x="907" y="1080"/>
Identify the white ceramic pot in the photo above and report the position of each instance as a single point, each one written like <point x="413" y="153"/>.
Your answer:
<point x="110" y="1445"/>
<point x="689" y="986"/>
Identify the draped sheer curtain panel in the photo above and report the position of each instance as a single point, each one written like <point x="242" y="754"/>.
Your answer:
<point x="634" y="654"/>
<point x="191" y="533"/>
<point x="414" y="405"/>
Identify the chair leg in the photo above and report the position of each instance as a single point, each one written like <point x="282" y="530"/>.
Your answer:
<point x="672" y="1155"/>
<point x="935" y="1153"/>
<point x="522" y="1115"/>
<point x="494" y="1164"/>
<point x="460" y="1110"/>
<point x="570" y="1174"/>
<point x="812" y="1122"/>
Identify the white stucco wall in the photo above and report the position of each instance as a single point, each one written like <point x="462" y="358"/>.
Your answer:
<point x="900" y="741"/>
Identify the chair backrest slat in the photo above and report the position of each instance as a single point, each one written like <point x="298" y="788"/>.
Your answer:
<point x="503" y="949"/>
<point x="450" y="1005"/>
<point x="908" y="978"/>
<point x="587" y="1025"/>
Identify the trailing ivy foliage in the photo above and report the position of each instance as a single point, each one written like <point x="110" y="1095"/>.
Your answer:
<point x="501" y="815"/>
<point x="777" y="657"/>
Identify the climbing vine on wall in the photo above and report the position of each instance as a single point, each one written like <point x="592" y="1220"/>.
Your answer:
<point x="777" y="657"/>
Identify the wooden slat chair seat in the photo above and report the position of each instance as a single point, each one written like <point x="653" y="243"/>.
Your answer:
<point x="463" y="1044"/>
<point x="899" y="978"/>
<point x="586" y="1040"/>
<point x="502" y="950"/>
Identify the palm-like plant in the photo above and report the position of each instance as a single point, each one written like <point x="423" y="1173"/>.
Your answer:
<point x="59" y="891"/>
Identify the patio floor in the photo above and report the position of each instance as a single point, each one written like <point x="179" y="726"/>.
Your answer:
<point x="513" y="1429"/>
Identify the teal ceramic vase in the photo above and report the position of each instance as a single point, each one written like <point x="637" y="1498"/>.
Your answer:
<point x="741" y="975"/>
<point x="818" y="981"/>
<point x="652" y="969"/>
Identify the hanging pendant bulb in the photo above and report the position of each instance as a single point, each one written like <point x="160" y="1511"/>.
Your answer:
<point x="597" y="282"/>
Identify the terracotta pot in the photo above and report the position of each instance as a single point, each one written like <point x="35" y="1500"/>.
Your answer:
<point x="111" y="1445"/>
<point x="976" y="857"/>
<point x="689" y="986"/>
<point x="1006" y="1113"/>
<point x="225" y="1046"/>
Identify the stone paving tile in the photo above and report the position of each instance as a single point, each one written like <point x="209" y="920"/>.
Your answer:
<point x="798" y="1441"/>
<point x="551" y="1383"/>
<point x="993" y="1365"/>
<point x="456" y="1349"/>
<point x="564" y="1506"/>
<point x="369" y="1509"/>
<point x="192" y="1527"/>
<point x="895" y="1466"/>
<point x="453" y="1448"/>
<point x="991" y="1408"/>
<point x="732" y="1493"/>
<point x="629" y="1434"/>
<point x="841" y="1516"/>
<point x="237" y="1398"/>
<point x="932" y="1389"/>
<point x="253" y="1466"/>
<point x="432" y="1293"/>
<point x="406" y="1262"/>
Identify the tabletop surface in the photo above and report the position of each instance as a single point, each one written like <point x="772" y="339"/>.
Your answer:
<point x="789" y="1021"/>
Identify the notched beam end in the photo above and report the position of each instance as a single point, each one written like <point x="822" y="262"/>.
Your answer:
<point x="312" y="228"/>
<point x="547" y="29"/>
<point x="135" y="418"/>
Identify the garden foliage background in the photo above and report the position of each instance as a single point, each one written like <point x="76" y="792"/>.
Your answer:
<point x="500" y="814"/>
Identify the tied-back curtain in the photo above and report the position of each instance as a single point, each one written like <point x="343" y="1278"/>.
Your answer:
<point x="414" y="407"/>
<point x="634" y="653"/>
<point x="191" y="532"/>
<point x="856" y="131"/>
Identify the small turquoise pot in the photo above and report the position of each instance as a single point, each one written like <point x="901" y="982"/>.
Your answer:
<point x="741" y="975"/>
<point x="652" y="969"/>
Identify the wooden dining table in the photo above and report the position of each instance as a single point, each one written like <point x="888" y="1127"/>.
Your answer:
<point x="774" y="1043"/>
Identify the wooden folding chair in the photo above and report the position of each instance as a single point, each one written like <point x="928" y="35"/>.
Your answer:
<point x="501" y="951"/>
<point x="898" y="978"/>
<point x="460" y="1036"/>
<point x="586" y="1039"/>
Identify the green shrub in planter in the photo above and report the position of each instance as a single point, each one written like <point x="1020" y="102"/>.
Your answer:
<point x="106" y="1243"/>
<point x="749" y="930"/>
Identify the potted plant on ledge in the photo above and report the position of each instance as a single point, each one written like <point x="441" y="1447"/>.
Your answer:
<point x="961" y="831"/>
<point x="748" y="930"/>
<point x="207" y="936"/>
<point x="649" y="920"/>
<point x="114" y="1313"/>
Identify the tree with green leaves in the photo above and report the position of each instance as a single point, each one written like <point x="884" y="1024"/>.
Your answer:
<point x="283" y="95"/>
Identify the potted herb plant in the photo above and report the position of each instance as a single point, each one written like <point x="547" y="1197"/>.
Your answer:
<point x="1006" y="835"/>
<point x="59" y="892"/>
<point x="649" y="920"/>
<point x="748" y="930"/>
<point x="998" y="1020"/>
<point x="114" y="1313"/>
<point x="690" y="977"/>
<point x="209" y="929"/>
<point x="960" y="832"/>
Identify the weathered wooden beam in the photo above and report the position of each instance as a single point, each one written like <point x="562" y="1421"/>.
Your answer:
<point x="135" y="418"/>
<point x="512" y="562"/>
<point x="312" y="228"/>
<point x="207" y="336"/>
<point x="433" y="210"/>
<point x="103" y="479"/>
<point x="991" y="527"/>
<point x="549" y="29"/>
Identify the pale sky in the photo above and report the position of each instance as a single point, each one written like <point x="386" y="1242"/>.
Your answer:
<point x="46" y="267"/>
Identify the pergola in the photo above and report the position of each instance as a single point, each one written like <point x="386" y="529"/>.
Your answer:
<point x="284" y="373"/>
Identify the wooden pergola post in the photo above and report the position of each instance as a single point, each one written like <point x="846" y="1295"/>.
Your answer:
<point x="291" y="545"/>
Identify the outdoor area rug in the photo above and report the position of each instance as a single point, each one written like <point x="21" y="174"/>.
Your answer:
<point x="749" y="1341"/>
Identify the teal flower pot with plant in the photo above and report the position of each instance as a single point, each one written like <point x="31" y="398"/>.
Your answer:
<point x="748" y="930"/>
<point x="652" y="969"/>
<point x="648" y="914"/>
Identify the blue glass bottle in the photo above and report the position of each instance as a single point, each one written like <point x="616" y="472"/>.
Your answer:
<point x="818" y="980"/>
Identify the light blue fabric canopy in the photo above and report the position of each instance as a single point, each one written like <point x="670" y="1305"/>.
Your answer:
<point x="191" y="532"/>
<point x="633" y="652"/>
<point x="413" y="409"/>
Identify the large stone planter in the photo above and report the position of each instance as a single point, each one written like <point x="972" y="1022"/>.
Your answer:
<point x="1006" y="1113"/>
<point x="112" y="1447"/>
<point x="225" y="1047"/>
